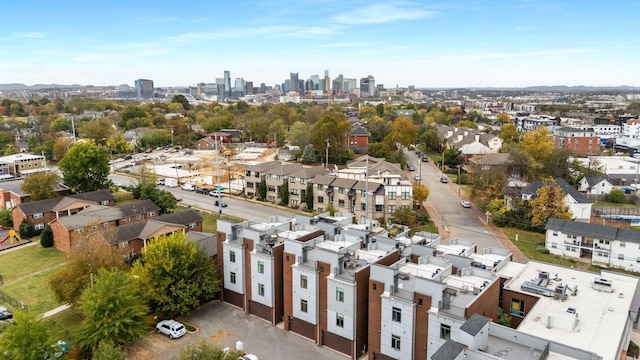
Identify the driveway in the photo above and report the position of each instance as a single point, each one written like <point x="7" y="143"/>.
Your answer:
<point x="223" y="324"/>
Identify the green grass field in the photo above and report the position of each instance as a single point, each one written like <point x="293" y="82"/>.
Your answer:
<point x="28" y="260"/>
<point x="601" y="204"/>
<point x="529" y="242"/>
<point x="34" y="292"/>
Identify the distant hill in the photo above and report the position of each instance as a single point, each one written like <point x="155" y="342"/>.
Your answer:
<point x="17" y="86"/>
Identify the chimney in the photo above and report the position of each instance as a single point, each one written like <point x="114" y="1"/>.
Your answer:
<point x="477" y="137"/>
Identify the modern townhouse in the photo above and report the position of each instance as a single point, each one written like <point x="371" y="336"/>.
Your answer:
<point x="255" y="174"/>
<point x="596" y="244"/>
<point x="250" y="263"/>
<point x="41" y="212"/>
<point x="276" y="177"/>
<point x="95" y="218"/>
<point x="300" y="183"/>
<point x="326" y="285"/>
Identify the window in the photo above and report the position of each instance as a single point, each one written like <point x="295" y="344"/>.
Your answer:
<point x="303" y="181"/>
<point x="392" y="209"/>
<point x="339" y="295"/>
<point x="395" y="342"/>
<point x="38" y="226"/>
<point x="379" y="208"/>
<point x="340" y="190"/>
<point x="340" y="320"/>
<point x="250" y="185"/>
<point x="374" y="287"/>
<point x="152" y="213"/>
<point x="555" y="233"/>
<point x="247" y="173"/>
<point x="363" y="193"/>
<point x="105" y="203"/>
<point x="292" y="180"/>
<point x="232" y="256"/>
<point x="232" y="277"/>
<point x="392" y="196"/>
<point x="105" y="224"/>
<point x="94" y="227"/>
<point x="445" y="331"/>
<point x="261" y="289"/>
<point x="269" y="176"/>
<point x="341" y="203"/>
<point x="620" y="256"/>
<point x="38" y="216"/>
<point x="193" y="225"/>
<point x="303" y="281"/>
<point x="363" y="206"/>
<point x="622" y="244"/>
<point x="79" y="230"/>
<point x="419" y="301"/>
<point x="405" y="195"/>
<point x="127" y="219"/>
<point x="123" y="244"/>
<point x="271" y="188"/>
<point x="320" y="187"/>
<point x="554" y="245"/>
<point x="260" y="267"/>
<point x="320" y="199"/>
<point x="303" y="306"/>
<point x="396" y="314"/>
<point x="138" y="217"/>
<point x="517" y="307"/>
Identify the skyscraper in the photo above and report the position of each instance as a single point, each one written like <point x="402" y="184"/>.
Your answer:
<point x="227" y="83"/>
<point x="144" y="89"/>
<point x="293" y="82"/>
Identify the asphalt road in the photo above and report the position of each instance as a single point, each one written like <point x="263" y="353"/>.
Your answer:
<point x="459" y="222"/>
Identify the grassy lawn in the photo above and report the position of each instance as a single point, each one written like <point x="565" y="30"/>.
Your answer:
<point x="430" y="227"/>
<point x="600" y="204"/>
<point x="65" y="326"/>
<point x="27" y="260"/>
<point x="34" y="292"/>
<point x="529" y="243"/>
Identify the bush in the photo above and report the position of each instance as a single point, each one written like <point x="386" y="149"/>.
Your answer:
<point x="6" y="218"/>
<point x="46" y="237"/>
<point x="542" y="250"/>
<point x="26" y="230"/>
<point x="616" y="196"/>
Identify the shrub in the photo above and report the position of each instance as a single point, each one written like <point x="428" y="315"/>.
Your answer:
<point x="6" y="218"/>
<point x="542" y="250"/>
<point x="46" y="237"/>
<point x="616" y="196"/>
<point x="26" y="229"/>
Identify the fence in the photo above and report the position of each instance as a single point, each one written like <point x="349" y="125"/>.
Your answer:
<point x="13" y="302"/>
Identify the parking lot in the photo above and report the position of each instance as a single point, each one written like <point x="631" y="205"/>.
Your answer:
<point x="223" y="324"/>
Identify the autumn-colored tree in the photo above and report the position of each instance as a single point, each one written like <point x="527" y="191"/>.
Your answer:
<point x="286" y="113"/>
<point x="366" y="112"/>
<point x="549" y="203"/>
<point x="60" y="147"/>
<point x="503" y="118"/>
<point x="403" y="132"/>
<point x="117" y="144"/>
<point x="467" y="124"/>
<point x="41" y="185"/>
<point x="405" y="215"/>
<point x="509" y="133"/>
<point x="97" y="130"/>
<point x="486" y="185"/>
<point x="420" y="193"/>
<point x="379" y="128"/>
<point x="298" y="134"/>
<point x="538" y="144"/>
<point x="335" y="130"/>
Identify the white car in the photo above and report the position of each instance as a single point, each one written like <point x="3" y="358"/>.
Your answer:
<point x="465" y="204"/>
<point x="249" y="357"/>
<point x="216" y="193"/>
<point x="171" y="328"/>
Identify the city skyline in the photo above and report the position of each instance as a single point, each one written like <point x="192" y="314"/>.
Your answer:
<point x="469" y="44"/>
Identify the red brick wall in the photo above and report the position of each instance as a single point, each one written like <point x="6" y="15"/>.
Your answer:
<point x="325" y="270"/>
<point x="529" y="302"/>
<point x="486" y="304"/>
<point x="248" y="248"/>
<point x="375" y="316"/>
<point x="362" y="311"/>
<point x="360" y="141"/>
<point x="583" y="146"/>
<point x="420" y="341"/>
<point x="288" y="260"/>
<point x="278" y="285"/>
<point x="61" y="237"/>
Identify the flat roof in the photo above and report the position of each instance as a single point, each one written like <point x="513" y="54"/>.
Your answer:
<point x="597" y="312"/>
<point x="264" y="226"/>
<point x="453" y="249"/>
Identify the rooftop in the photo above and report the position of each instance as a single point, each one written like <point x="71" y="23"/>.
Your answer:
<point x="581" y="320"/>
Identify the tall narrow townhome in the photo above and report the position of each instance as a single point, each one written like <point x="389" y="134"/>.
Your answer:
<point x="408" y="297"/>
<point x="250" y="262"/>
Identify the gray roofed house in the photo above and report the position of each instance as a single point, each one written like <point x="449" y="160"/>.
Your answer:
<point x="593" y="230"/>
<point x="450" y="350"/>
<point x="596" y="185"/>
<point x="12" y="189"/>
<point x="579" y="206"/>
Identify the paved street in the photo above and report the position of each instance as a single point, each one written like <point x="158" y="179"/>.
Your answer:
<point x="223" y="324"/>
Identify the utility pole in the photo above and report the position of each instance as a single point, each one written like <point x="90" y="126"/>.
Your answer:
<point x="326" y="158"/>
<point x="215" y="138"/>
<point x="171" y="127"/>
<point x="458" y="179"/>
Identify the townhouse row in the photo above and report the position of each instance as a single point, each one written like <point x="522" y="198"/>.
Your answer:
<point x="372" y="189"/>
<point x="349" y="287"/>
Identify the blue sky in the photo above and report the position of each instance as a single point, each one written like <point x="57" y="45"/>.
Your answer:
<point x="425" y="43"/>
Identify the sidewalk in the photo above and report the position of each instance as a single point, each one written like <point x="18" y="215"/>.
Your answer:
<point x="56" y="310"/>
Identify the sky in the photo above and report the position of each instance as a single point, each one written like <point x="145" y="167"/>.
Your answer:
<point x="425" y="43"/>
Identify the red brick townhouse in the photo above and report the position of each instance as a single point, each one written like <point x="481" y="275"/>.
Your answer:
<point x="41" y="212"/>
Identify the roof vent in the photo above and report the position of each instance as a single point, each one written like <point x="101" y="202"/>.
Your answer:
<point x="620" y="295"/>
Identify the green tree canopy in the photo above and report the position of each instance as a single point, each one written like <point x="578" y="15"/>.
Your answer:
<point x="206" y="351"/>
<point x="181" y="99"/>
<point x="113" y="310"/>
<point x="41" y="185"/>
<point x="85" y="167"/>
<point x="174" y="275"/>
<point x="335" y="130"/>
<point x="27" y="338"/>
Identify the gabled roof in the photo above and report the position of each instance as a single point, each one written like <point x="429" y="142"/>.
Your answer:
<point x="564" y="186"/>
<point x="308" y="172"/>
<point x="149" y="228"/>
<point x="475" y="148"/>
<point x="185" y="217"/>
<point x="93" y="215"/>
<point x="593" y="180"/>
<point x="142" y="206"/>
<point x="450" y="350"/>
<point x="262" y="167"/>
<point x="283" y="169"/>
<point x="207" y="140"/>
<point x="593" y="230"/>
<point x="42" y="206"/>
<point x="323" y="180"/>
<point x="344" y="183"/>
<point x="360" y="131"/>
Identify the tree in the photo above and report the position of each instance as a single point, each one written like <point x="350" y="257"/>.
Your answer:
<point x="26" y="229"/>
<point x="366" y="112"/>
<point x="85" y="167"/>
<point x="403" y="132"/>
<point x="108" y="351"/>
<point x="420" y="193"/>
<point x="431" y="139"/>
<point x="283" y="193"/>
<point x="509" y="133"/>
<point x="278" y="130"/>
<point x="333" y="129"/>
<point x="181" y="99"/>
<point x="60" y="124"/>
<point x="113" y="311"/>
<point x="6" y="218"/>
<point x="174" y="275"/>
<point x="46" y="237"/>
<point x="503" y="118"/>
<point x="379" y="128"/>
<point x="616" y="196"/>
<point x="452" y="157"/>
<point x="504" y="318"/>
<point x="60" y="147"/>
<point x="405" y="215"/>
<point x="85" y="258"/>
<point x="27" y="338"/>
<point x="262" y="190"/>
<point x="467" y="124"/>
<point x="41" y="185"/>
<point x="206" y="351"/>
<point x="146" y="188"/>
<point x="309" y="154"/>
<point x="379" y="150"/>
<point x="549" y="203"/>
<point x="538" y="145"/>
<point x="97" y="130"/>
<point x="308" y="196"/>
<point x="298" y="134"/>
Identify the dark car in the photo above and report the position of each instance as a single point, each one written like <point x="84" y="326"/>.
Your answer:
<point x="424" y="159"/>
<point x="443" y="179"/>
<point x="128" y="157"/>
<point x="199" y="190"/>
<point x="220" y="203"/>
<point x="5" y="315"/>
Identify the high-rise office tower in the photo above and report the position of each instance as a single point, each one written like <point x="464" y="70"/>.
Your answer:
<point x="144" y="89"/>
<point x="350" y="85"/>
<point x="293" y="82"/>
<point x="367" y="86"/>
<point x="227" y="83"/>
<point x="239" y="88"/>
<point x="248" y="86"/>
<point x="338" y="84"/>
<point x="220" y="88"/>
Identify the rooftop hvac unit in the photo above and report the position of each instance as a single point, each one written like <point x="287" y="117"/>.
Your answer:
<point x="543" y="275"/>
<point x="602" y="284"/>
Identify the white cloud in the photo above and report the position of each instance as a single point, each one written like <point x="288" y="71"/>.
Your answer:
<point x="382" y="13"/>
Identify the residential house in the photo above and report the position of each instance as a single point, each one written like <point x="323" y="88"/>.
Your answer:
<point x="300" y="183"/>
<point x="236" y="135"/>
<point x="456" y="137"/>
<point x="578" y="205"/>
<point x="250" y="262"/>
<point x="595" y="185"/>
<point x="41" y="212"/>
<point x="206" y="143"/>
<point x="359" y="139"/>
<point x="255" y="174"/>
<point x="97" y="218"/>
<point x="221" y="136"/>
<point x="133" y="136"/>
<point x="498" y="163"/>
<point x="276" y="177"/>
<point x="598" y="244"/>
